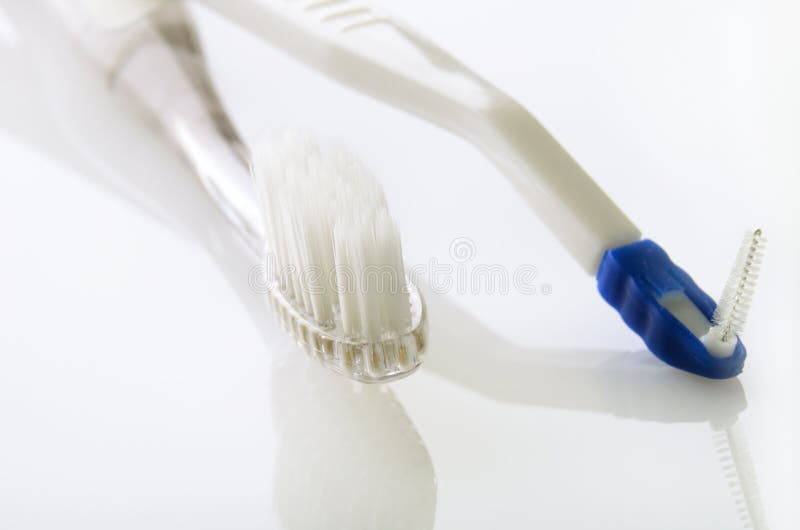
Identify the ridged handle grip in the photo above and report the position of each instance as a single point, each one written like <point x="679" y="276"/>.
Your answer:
<point x="636" y="279"/>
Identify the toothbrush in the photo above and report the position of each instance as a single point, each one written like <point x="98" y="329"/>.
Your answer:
<point x="308" y="212"/>
<point x="384" y="58"/>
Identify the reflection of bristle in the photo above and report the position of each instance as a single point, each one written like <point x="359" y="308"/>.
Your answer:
<point x="731" y="312"/>
<point x="732" y="452"/>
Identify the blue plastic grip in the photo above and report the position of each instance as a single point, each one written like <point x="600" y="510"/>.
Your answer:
<point x="632" y="279"/>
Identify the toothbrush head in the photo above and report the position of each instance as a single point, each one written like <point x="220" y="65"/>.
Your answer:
<point x="677" y="320"/>
<point x="334" y="269"/>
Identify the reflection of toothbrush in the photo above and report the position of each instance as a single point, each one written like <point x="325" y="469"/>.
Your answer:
<point x="370" y="443"/>
<point x="323" y="213"/>
<point x="380" y="56"/>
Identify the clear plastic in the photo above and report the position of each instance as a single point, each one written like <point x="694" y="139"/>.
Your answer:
<point x="392" y="357"/>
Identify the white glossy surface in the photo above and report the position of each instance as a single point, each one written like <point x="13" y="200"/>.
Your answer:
<point x="143" y="385"/>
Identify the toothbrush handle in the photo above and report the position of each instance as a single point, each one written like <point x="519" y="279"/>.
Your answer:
<point x="198" y="123"/>
<point x="158" y="60"/>
<point x="383" y="58"/>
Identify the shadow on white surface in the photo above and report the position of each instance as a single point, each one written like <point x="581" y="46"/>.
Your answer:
<point x="632" y="385"/>
<point x="627" y="384"/>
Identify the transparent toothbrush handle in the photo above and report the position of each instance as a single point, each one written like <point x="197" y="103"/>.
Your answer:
<point x="165" y="69"/>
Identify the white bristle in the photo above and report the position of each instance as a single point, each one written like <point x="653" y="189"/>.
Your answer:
<point x="731" y="312"/>
<point x="333" y="240"/>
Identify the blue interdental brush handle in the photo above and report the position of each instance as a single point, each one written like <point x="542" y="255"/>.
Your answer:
<point x="664" y="306"/>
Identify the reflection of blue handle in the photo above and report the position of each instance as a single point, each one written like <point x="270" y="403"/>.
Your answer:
<point x="633" y="279"/>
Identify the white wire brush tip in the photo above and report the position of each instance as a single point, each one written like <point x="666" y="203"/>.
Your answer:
<point x="731" y="312"/>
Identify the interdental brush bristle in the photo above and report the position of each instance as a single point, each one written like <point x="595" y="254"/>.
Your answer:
<point x="731" y="312"/>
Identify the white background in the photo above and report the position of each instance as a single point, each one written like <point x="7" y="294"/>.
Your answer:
<point x="142" y="385"/>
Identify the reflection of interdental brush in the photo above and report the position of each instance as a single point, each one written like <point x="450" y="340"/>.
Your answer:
<point x="339" y="287"/>
<point x="731" y="312"/>
<point x="730" y="445"/>
<point x="383" y="57"/>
